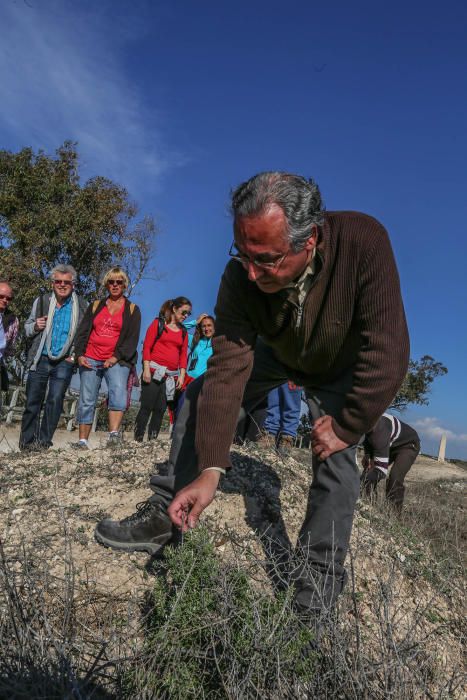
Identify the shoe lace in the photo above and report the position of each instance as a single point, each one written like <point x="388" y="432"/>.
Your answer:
<point x="144" y="511"/>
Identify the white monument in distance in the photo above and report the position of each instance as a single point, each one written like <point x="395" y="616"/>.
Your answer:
<point x="442" y="448"/>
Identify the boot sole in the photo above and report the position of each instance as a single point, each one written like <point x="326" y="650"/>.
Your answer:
<point x="149" y="547"/>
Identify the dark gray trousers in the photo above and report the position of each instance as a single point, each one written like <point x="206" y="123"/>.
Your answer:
<point x="317" y="569"/>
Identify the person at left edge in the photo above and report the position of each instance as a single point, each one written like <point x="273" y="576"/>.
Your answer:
<point x="9" y="326"/>
<point x="51" y="327"/>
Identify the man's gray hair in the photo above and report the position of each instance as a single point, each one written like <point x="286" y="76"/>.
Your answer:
<point x="299" y="199"/>
<point x="64" y="270"/>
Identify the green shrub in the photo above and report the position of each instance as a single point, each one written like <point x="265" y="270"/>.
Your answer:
<point x="211" y="633"/>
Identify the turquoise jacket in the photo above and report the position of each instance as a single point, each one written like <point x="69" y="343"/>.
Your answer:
<point x="198" y="358"/>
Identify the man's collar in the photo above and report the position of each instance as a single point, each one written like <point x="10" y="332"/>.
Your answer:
<point x="310" y="269"/>
<point x="65" y="301"/>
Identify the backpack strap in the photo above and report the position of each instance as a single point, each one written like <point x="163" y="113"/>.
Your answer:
<point x="160" y="330"/>
<point x="132" y="308"/>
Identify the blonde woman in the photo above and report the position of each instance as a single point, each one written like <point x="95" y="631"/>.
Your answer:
<point x="105" y="345"/>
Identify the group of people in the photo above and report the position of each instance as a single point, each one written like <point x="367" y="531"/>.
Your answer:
<point x="309" y="297"/>
<point x="64" y="332"/>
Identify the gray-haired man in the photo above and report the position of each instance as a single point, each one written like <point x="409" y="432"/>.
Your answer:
<point x="52" y="326"/>
<point x="308" y="296"/>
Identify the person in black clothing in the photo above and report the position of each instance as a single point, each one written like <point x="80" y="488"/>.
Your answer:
<point x="391" y="442"/>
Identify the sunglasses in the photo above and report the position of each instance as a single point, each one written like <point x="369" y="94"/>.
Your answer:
<point x="112" y="282"/>
<point x="5" y="297"/>
<point x="186" y="313"/>
<point x="65" y="283"/>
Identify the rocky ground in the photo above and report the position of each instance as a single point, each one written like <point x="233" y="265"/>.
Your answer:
<point x="50" y="502"/>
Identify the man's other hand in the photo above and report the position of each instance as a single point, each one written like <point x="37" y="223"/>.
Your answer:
<point x="324" y="440"/>
<point x="189" y="503"/>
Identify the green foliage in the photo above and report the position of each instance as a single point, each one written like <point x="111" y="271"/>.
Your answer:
<point x="48" y="217"/>
<point x="211" y="633"/>
<point x="417" y="383"/>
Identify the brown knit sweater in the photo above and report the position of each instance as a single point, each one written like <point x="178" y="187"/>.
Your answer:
<point x="353" y="318"/>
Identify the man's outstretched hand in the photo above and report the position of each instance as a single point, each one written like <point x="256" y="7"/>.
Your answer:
<point x="324" y="441"/>
<point x="189" y="503"/>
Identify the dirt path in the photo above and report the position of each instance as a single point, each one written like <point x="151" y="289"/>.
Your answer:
<point x="9" y="437"/>
<point x="424" y="469"/>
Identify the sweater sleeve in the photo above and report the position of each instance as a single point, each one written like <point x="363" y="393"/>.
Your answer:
<point x="229" y="369"/>
<point x="383" y="356"/>
<point x="149" y="339"/>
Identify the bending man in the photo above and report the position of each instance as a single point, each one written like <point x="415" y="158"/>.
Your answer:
<point x="311" y="297"/>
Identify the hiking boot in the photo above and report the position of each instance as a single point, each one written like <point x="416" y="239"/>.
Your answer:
<point x="114" y="440"/>
<point x="147" y="530"/>
<point x="34" y="447"/>
<point x="285" y="444"/>
<point x="267" y="441"/>
<point x="80" y="445"/>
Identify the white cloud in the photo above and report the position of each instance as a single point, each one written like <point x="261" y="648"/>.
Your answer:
<point x="64" y="74"/>
<point x="431" y="428"/>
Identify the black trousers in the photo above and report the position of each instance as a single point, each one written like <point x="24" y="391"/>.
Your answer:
<point x="153" y="404"/>
<point x="317" y="566"/>
<point x="402" y="458"/>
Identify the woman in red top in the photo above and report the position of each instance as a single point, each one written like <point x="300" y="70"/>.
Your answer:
<point x="164" y="365"/>
<point x="105" y="344"/>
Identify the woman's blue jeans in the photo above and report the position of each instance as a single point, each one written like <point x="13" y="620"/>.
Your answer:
<point x="116" y="378"/>
<point x="283" y="414"/>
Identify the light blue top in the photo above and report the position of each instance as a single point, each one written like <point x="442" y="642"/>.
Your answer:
<point x="199" y="357"/>
<point x="60" y="327"/>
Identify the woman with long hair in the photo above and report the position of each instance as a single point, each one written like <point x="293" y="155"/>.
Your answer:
<point x="199" y="353"/>
<point x="106" y="346"/>
<point x="164" y="365"/>
<point x="201" y="346"/>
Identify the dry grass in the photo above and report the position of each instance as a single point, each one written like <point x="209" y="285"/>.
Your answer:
<point x="398" y="631"/>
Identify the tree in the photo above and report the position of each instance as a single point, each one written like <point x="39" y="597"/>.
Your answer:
<point x="48" y="217"/>
<point x="417" y="383"/>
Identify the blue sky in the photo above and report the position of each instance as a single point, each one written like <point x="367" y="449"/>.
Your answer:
<point x="181" y="101"/>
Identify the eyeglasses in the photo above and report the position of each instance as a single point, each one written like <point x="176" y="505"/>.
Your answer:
<point x="235" y="254"/>
<point x="5" y="297"/>
<point x="185" y="313"/>
<point x="65" y="283"/>
<point x="112" y="282"/>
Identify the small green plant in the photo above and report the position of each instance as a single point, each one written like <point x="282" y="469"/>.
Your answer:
<point x="211" y="633"/>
